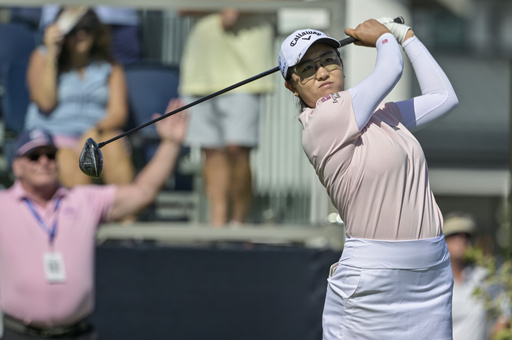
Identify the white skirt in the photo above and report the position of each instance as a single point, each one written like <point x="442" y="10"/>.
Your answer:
<point x="390" y="290"/>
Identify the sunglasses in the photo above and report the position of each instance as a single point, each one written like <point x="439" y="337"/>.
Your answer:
<point x="34" y="156"/>
<point x="308" y="69"/>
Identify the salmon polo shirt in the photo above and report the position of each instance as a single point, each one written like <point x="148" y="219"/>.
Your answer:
<point x="376" y="177"/>
<point x="26" y="292"/>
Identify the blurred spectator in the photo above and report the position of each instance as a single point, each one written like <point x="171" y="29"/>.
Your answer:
<point x="124" y="24"/>
<point x="471" y="319"/>
<point x="226" y="128"/>
<point x="78" y="91"/>
<point x="484" y="242"/>
<point x="47" y="234"/>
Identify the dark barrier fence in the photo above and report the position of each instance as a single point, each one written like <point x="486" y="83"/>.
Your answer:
<point x="241" y="292"/>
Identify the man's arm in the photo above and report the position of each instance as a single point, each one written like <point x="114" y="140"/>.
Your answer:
<point x="131" y="198"/>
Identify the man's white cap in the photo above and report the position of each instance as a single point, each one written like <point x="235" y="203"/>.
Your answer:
<point x="296" y="45"/>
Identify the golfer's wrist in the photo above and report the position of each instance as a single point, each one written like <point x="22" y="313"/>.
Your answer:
<point x="409" y="34"/>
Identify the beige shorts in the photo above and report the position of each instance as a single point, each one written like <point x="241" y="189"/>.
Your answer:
<point x="229" y="119"/>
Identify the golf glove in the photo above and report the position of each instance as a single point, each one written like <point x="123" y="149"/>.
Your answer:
<point x="398" y="30"/>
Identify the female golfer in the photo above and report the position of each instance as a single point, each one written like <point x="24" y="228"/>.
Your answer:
<point x="394" y="279"/>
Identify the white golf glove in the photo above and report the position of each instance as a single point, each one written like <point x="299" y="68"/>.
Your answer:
<point x="398" y="30"/>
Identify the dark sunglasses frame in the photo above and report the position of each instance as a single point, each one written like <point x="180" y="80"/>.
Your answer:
<point x="34" y="156"/>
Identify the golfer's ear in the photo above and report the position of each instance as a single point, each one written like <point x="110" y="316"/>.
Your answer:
<point x="290" y="87"/>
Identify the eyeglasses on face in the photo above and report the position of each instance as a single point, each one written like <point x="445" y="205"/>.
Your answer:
<point x="34" y="156"/>
<point x="308" y="69"/>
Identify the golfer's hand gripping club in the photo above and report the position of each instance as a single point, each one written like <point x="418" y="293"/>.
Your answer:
<point x="91" y="158"/>
<point x="398" y="29"/>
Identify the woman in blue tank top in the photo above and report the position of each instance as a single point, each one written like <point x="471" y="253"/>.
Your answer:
<point x="78" y="90"/>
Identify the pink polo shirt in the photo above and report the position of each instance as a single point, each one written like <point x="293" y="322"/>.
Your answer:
<point x="25" y="293"/>
<point x="376" y="177"/>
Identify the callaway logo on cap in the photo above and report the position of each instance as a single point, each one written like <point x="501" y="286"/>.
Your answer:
<point x="296" y="45"/>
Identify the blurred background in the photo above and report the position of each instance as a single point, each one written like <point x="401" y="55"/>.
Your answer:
<point x="468" y="155"/>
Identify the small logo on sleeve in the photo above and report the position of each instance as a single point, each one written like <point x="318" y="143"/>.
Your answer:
<point x="326" y="98"/>
<point x="333" y="96"/>
<point x="385" y="41"/>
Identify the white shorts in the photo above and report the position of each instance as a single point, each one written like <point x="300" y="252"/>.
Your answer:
<point x="390" y="290"/>
<point x="229" y="119"/>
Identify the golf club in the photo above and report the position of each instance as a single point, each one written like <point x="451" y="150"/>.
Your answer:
<point x="91" y="158"/>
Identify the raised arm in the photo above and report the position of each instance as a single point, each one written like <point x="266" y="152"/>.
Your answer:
<point x="437" y="94"/>
<point x="43" y="71"/>
<point x="131" y="198"/>
<point x="368" y="94"/>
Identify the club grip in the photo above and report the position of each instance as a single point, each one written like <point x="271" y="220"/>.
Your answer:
<point x="399" y="20"/>
<point x="350" y="40"/>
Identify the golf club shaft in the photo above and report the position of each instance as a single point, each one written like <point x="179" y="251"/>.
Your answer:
<point x="343" y="42"/>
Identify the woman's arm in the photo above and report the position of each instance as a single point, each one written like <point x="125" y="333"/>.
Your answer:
<point x="368" y="94"/>
<point x="42" y="71"/>
<point x="117" y="107"/>
<point x="437" y="94"/>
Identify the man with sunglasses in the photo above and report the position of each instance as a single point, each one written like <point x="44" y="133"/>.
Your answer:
<point x="47" y="233"/>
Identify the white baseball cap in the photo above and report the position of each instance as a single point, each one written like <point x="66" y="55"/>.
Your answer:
<point x="297" y="44"/>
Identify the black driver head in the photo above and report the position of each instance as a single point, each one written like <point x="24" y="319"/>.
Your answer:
<point x="91" y="159"/>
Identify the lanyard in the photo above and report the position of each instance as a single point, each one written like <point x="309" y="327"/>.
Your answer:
<point x="50" y="231"/>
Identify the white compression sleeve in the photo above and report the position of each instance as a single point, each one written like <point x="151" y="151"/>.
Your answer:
<point x="437" y="94"/>
<point x="369" y="93"/>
